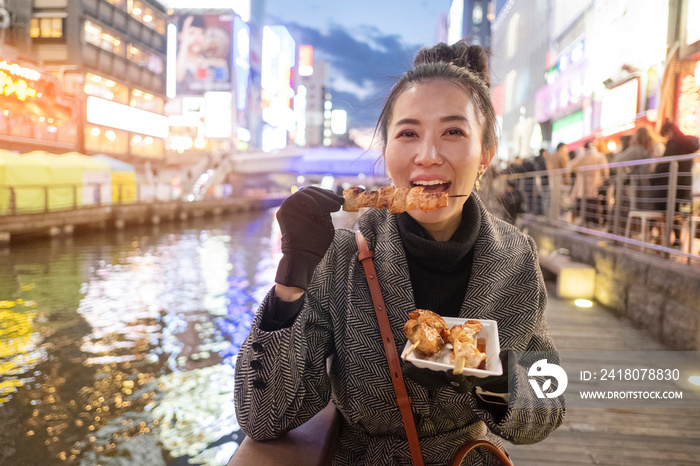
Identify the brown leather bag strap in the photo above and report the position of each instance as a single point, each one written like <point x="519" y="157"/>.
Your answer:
<point x="402" y="400"/>
<point x="467" y="447"/>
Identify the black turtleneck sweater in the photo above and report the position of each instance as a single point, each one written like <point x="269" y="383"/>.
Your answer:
<point x="440" y="269"/>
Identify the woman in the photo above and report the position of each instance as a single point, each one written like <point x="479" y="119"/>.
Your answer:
<point x="437" y="130"/>
<point x="588" y="181"/>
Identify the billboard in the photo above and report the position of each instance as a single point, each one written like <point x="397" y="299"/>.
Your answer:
<point x="203" y="53"/>
<point x="114" y="115"/>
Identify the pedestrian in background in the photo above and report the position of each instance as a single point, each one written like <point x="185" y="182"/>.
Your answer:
<point x="588" y="181"/>
<point x="559" y="180"/>
<point x="517" y="183"/>
<point x="677" y="144"/>
<point x="316" y="336"/>
<point x="635" y="192"/>
<point x="541" y="182"/>
<point x="625" y="141"/>
<point x="513" y="201"/>
<point x="528" y="184"/>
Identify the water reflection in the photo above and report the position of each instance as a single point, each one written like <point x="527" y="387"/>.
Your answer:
<point x="119" y="348"/>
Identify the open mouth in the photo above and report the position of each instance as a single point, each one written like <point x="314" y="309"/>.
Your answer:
<point x="434" y="186"/>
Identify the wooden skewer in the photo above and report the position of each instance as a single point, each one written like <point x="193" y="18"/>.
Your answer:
<point x="459" y="365"/>
<point x="459" y="195"/>
<point x="411" y="348"/>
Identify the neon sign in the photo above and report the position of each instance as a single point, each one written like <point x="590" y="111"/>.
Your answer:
<point x="27" y="73"/>
<point x="19" y="87"/>
<point x="688" y="105"/>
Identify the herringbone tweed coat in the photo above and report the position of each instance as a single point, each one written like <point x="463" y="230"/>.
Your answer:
<point x="290" y="383"/>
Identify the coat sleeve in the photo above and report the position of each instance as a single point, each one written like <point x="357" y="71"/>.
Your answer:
<point x="527" y="419"/>
<point x="281" y="379"/>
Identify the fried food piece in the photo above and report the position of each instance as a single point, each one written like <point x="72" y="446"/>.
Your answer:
<point x="425" y="338"/>
<point x="473" y="326"/>
<point x="413" y="198"/>
<point x="462" y="337"/>
<point x="423" y="329"/>
<point x="368" y="198"/>
<point x="432" y="201"/>
<point x="395" y="199"/>
<point x="466" y="355"/>
<point x="352" y="198"/>
<point x="384" y="198"/>
<point x="398" y="200"/>
<point x="429" y="317"/>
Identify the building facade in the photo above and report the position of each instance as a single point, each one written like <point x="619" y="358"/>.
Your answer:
<point x="520" y="44"/>
<point x="34" y="112"/>
<point x="313" y="113"/>
<point x="111" y="55"/>
<point x="214" y="80"/>
<point x="470" y="20"/>
<point x="680" y="89"/>
<point x="575" y="72"/>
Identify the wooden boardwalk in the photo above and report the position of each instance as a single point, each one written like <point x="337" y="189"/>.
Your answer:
<point x="613" y="436"/>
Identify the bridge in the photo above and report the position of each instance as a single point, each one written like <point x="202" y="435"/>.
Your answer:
<point x="337" y="162"/>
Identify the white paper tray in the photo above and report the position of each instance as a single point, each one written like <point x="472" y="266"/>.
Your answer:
<point x="441" y="360"/>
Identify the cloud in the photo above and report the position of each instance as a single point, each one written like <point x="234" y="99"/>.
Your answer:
<point x="338" y="82"/>
<point x="364" y="64"/>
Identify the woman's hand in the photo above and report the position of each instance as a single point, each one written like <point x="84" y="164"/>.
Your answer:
<point x="307" y="232"/>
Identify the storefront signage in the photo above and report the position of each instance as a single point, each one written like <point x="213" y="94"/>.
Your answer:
<point x="688" y="105"/>
<point x="111" y="114"/>
<point x="618" y="106"/>
<point x="22" y="72"/>
<point x="564" y="95"/>
<point x="20" y="88"/>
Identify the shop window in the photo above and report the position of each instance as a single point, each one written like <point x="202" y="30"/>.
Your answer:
<point x="147" y="146"/>
<point x="93" y="33"/>
<point x="477" y="14"/>
<point x="146" y="15"/>
<point x="146" y="101"/>
<point x="155" y="64"/>
<point x="106" y="88"/>
<point x="106" y="140"/>
<point x="118" y="3"/>
<point x="146" y="60"/>
<point x="46" y="28"/>
<point x="112" y="44"/>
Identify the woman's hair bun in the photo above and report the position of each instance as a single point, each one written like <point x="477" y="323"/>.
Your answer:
<point x="472" y="57"/>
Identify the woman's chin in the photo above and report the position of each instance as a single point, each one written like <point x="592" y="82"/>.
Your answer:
<point x="438" y="216"/>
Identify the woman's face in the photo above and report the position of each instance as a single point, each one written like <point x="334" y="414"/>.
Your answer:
<point x="434" y="140"/>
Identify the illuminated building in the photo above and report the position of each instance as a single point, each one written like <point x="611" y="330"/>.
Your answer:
<point x="278" y="61"/>
<point x="574" y="72"/>
<point x="312" y="84"/>
<point x="34" y="114"/>
<point x="470" y="19"/>
<point x="111" y="55"/>
<point x="680" y="91"/>
<point x="214" y="84"/>
<point x="520" y="36"/>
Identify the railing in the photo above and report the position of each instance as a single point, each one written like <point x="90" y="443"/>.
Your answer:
<point x="29" y="199"/>
<point x="653" y="204"/>
<point x="26" y="198"/>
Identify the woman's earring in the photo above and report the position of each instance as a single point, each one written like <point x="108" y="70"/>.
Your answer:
<point x="481" y="172"/>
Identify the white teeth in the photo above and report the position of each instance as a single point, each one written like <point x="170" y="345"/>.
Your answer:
<point x="429" y="183"/>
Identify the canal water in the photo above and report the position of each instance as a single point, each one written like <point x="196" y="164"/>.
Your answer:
<point x="118" y="348"/>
